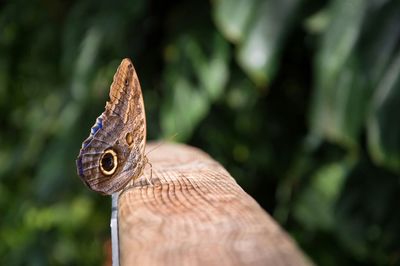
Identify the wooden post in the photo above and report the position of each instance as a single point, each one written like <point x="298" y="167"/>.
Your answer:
<point x="196" y="214"/>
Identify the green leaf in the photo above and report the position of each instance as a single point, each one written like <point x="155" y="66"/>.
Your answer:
<point x="338" y="105"/>
<point x="184" y="109"/>
<point x="233" y="16"/>
<point x="211" y="70"/>
<point x="380" y="40"/>
<point x="259" y="29"/>
<point x="315" y="206"/>
<point x="354" y="55"/>
<point x="383" y="126"/>
<point x="364" y="218"/>
<point x="259" y="52"/>
<point x="196" y="76"/>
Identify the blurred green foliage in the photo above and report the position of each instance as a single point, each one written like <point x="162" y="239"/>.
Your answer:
<point x="299" y="100"/>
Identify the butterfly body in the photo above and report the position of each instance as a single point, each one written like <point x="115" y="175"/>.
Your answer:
<point x="113" y="154"/>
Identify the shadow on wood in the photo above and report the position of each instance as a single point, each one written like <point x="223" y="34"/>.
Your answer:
<point x="196" y="214"/>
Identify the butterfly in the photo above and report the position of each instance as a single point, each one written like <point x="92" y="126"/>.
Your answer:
<point x="113" y="154"/>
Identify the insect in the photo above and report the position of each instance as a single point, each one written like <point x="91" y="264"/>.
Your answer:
<point x="113" y="154"/>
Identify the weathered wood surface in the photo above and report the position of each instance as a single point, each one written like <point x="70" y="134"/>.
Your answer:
<point x="196" y="214"/>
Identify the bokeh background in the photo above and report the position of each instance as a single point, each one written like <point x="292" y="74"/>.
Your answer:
<point x="298" y="99"/>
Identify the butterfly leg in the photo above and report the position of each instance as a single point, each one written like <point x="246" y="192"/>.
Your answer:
<point x="151" y="171"/>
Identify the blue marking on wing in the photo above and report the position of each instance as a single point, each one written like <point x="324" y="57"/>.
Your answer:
<point x="98" y="125"/>
<point x="86" y="143"/>
<point x="80" y="166"/>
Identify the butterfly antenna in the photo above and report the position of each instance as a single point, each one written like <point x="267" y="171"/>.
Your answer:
<point x="148" y="162"/>
<point x="162" y="143"/>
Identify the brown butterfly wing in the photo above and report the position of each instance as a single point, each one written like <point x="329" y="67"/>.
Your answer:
<point x="113" y="154"/>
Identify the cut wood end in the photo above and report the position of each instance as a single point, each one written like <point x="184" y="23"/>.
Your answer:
<point x="195" y="213"/>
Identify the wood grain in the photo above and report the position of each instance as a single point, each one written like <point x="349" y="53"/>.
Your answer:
<point x="196" y="214"/>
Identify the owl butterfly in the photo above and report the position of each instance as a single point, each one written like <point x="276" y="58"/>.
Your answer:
<point x="113" y="154"/>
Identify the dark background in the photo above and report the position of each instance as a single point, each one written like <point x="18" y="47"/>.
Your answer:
<point x="298" y="99"/>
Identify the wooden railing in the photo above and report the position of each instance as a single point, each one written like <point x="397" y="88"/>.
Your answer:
<point x="195" y="213"/>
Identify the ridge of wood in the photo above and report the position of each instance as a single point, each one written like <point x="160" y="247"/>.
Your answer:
<point x="196" y="214"/>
